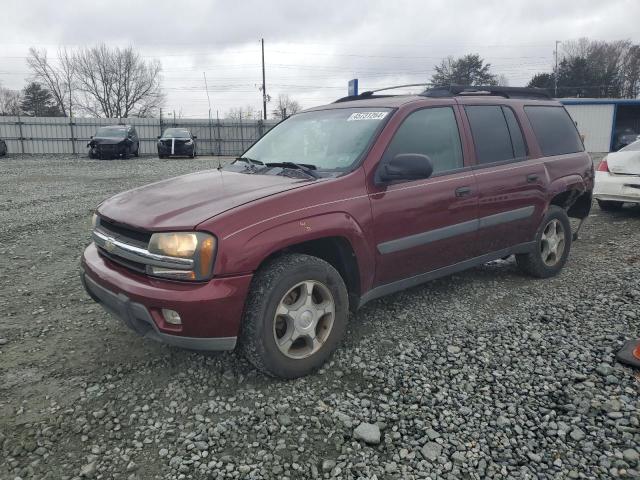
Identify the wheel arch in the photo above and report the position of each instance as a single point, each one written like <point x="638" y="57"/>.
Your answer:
<point x="336" y="251"/>
<point x="571" y="194"/>
<point x="333" y="237"/>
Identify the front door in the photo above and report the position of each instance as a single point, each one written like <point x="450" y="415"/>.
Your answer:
<point x="424" y="225"/>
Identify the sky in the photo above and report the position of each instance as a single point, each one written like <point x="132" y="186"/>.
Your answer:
<point x="312" y="48"/>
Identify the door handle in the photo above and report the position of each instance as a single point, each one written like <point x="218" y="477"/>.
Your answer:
<point x="462" y="191"/>
<point x="532" y="177"/>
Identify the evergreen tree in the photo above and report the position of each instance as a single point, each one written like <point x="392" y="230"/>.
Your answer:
<point x="37" y="101"/>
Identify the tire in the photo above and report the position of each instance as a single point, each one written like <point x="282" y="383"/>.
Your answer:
<point x="137" y="153"/>
<point x="280" y="284"/>
<point x="610" y="205"/>
<point x="542" y="262"/>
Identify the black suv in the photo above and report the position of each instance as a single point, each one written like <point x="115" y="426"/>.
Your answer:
<point x="114" y="141"/>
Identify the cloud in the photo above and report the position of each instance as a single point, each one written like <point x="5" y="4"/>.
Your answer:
<point x="312" y="48"/>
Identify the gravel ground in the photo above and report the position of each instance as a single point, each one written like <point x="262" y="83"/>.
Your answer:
<point x="483" y="374"/>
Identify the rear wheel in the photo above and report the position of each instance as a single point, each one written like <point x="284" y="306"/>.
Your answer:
<point x="295" y="317"/>
<point x="137" y="153"/>
<point x="553" y="243"/>
<point x="610" y="205"/>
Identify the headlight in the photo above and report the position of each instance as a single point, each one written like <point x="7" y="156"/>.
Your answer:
<point x="94" y="221"/>
<point x="197" y="246"/>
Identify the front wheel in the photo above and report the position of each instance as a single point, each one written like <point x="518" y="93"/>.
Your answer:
<point x="610" y="205"/>
<point x="295" y="316"/>
<point x="553" y="243"/>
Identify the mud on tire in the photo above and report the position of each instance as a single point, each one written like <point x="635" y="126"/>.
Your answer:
<point x="271" y="285"/>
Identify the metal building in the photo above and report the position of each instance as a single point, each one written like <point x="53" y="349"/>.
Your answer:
<point x="604" y="122"/>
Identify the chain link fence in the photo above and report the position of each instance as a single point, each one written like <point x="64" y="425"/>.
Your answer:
<point x="47" y="135"/>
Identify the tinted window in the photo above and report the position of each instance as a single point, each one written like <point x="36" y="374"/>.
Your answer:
<point x="554" y="129"/>
<point x="490" y="133"/>
<point x="432" y="132"/>
<point x="517" y="140"/>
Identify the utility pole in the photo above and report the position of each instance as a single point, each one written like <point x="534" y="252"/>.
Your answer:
<point x="264" y="86"/>
<point x="555" y="72"/>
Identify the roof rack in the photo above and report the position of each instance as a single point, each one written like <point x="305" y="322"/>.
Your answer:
<point x="370" y="93"/>
<point x="506" y="92"/>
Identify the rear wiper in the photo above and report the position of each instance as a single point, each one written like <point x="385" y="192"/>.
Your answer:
<point x="305" y="167"/>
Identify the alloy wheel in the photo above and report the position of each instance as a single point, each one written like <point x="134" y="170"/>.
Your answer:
<point x="304" y="319"/>
<point x="552" y="243"/>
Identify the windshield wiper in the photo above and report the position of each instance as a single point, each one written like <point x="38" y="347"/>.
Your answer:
<point x="250" y="161"/>
<point x="305" y="167"/>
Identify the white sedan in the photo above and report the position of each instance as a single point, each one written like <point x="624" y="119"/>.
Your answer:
<point x="618" y="178"/>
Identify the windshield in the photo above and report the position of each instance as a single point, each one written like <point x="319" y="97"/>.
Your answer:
<point x="632" y="147"/>
<point x="112" y="132"/>
<point x="325" y="139"/>
<point x="176" y="133"/>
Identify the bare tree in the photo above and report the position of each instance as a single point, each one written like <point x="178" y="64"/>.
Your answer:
<point x="9" y="102"/>
<point x="247" y="112"/>
<point x="285" y="107"/>
<point x="58" y="77"/>
<point x="117" y="83"/>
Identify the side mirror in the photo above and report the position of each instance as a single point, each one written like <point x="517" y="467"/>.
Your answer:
<point x="195" y="136"/>
<point x="91" y="137"/>
<point x="404" y="166"/>
<point x="159" y="137"/>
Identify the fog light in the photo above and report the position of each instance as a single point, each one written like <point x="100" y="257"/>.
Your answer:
<point x="171" y="316"/>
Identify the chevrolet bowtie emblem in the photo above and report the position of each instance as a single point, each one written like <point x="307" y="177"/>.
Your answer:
<point x="109" y="244"/>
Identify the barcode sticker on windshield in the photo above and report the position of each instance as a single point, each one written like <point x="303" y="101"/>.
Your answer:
<point x="367" y="116"/>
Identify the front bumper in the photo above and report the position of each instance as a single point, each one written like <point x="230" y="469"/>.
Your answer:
<point x="211" y="312"/>
<point x="108" y="150"/>
<point x="619" y="188"/>
<point x="179" y="149"/>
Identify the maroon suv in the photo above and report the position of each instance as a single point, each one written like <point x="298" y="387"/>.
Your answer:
<point x="337" y="206"/>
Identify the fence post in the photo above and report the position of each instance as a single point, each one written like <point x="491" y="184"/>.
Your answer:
<point x="21" y="136"/>
<point x="73" y="136"/>
<point x="210" y="134"/>
<point x="219" y="139"/>
<point x="241" y="137"/>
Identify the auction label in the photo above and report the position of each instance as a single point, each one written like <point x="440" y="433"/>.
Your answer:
<point x="367" y="116"/>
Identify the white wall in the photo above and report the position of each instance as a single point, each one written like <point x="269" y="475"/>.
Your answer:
<point x="595" y="122"/>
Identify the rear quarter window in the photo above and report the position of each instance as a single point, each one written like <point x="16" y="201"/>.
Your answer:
<point x="554" y="129"/>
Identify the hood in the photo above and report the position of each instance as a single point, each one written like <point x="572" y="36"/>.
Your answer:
<point x="106" y="140"/>
<point x="181" y="203"/>
<point x="624" y="162"/>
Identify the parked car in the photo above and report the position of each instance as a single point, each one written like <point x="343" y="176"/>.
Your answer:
<point x="618" y="178"/>
<point x="177" y="142"/>
<point x="337" y="206"/>
<point x="114" y="141"/>
<point x="623" y="137"/>
<point x="3" y="148"/>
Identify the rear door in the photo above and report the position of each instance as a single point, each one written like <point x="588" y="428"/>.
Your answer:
<point x="423" y="225"/>
<point x="511" y="184"/>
